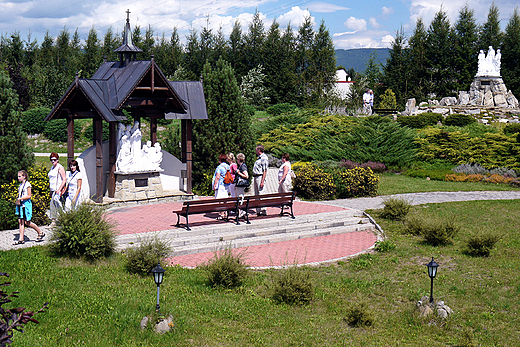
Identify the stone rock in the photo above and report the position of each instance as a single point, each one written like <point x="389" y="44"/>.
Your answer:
<point x="425" y="310"/>
<point x="144" y="323"/>
<point x="463" y="98"/>
<point x="473" y="111"/>
<point x="433" y="102"/>
<point x="500" y="100"/>
<point x="423" y="104"/>
<point x="440" y="110"/>
<point x="448" y="101"/>
<point x="488" y="99"/>
<point x="442" y="313"/>
<point x="165" y="325"/>
<point x="512" y="101"/>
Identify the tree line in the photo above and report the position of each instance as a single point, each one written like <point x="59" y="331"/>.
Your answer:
<point x="441" y="59"/>
<point x="296" y="67"/>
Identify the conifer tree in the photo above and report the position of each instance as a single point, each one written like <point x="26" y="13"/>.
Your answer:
<point x="490" y="33"/>
<point x="511" y="54"/>
<point x="396" y="72"/>
<point x="92" y="54"/>
<point x="322" y="65"/>
<point x="235" y="50"/>
<point x="192" y="58"/>
<point x="418" y="64"/>
<point x="110" y="43"/>
<point x="254" y="43"/>
<point x="228" y="127"/>
<point x="304" y="42"/>
<point x="274" y="61"/>
<point x="16" y="155"/>
<point x="465" y="59"/>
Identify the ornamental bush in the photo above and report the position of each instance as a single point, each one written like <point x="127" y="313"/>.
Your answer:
<point x="395" y="208"/>
<point x="293" y="286"/>
<point x="56" y="130"/>
<point x="226" y="269"/>
<point x="89" y="132"/>
<point x="359" y="314"/>
<point x="481" y="243"/>
<point x="278" y="109"/>
<point x="421" y="120"/>
<point x="83" y="232"/>
<point x="356" y="182"/>
<point x="143" y="258"/>
<point x="459" y="120"/>
<point x="312" y="182"/>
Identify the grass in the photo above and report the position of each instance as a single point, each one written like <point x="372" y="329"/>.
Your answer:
<point x="391" y="183"/>
<point x="101" y="304"/>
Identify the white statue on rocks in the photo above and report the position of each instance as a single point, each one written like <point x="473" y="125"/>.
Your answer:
<point x="131" y="157"/>
<point x="489" y="66"/>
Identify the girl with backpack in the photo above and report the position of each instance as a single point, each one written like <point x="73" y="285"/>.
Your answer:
<point x="24" y="208"/>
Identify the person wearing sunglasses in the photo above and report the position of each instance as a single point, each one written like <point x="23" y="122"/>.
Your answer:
<point x="57" y="182"/>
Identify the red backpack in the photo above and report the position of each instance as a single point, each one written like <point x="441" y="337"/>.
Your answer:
<point x="228" y="179"/>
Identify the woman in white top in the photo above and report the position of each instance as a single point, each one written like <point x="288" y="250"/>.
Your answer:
<point x="74" y="180"/>
<point x="56" y="183"/>
<point x="284" y="176"/>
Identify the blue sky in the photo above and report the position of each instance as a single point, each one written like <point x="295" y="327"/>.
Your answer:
<point x="352" y="24"/>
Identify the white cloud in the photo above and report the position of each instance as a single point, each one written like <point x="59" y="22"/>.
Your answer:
<point x="373" y="23"/>
<point x="362" y="39"/>
<point x="356" y="23"/>
<point x="323" y="7"/>
<point x="387" y="10"/>
<point x="296" y="17"/>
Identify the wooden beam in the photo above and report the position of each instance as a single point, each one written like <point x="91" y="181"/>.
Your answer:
<point x="98" y="127"/>
<point x="70" y="138"/>
<point x="112" y="152"/>
<point x="183" y="140"/>
<point x="151" y="89"/>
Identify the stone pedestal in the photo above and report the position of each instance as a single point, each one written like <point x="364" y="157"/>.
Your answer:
<point x="489" y="92"/>
<point x="138" y="185"/>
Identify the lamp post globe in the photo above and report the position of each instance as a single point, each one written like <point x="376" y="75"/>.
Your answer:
<point x="158" y="276"/>
<point x="432" y="272"/>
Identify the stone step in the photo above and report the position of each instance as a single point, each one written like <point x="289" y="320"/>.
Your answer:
<point x="223" y="227"/>
<point x="210" y="238"/>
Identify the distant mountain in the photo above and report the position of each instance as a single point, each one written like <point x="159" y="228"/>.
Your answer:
<point x="357" y="58"/>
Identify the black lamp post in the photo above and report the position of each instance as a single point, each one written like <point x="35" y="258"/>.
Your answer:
<point x="158" y="275"/>
<point x="432" y="272"/>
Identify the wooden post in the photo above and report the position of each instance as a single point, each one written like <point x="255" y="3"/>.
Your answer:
<point x="70" y="139"/>
<point x="112" y="152"/>
<point x="98" y="130"/>
<point x="153" y="130"/>
<point x="183" y="140"/>
<point x="188" y="155"/>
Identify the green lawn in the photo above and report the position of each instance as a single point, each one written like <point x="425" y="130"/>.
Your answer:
<point x="399" y="184"/>
<point x="101" y="304"/>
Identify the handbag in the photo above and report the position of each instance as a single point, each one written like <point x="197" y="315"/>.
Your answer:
<point x="240" y="181"/>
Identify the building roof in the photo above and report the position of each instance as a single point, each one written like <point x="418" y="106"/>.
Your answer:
<point x="192" y="94"/>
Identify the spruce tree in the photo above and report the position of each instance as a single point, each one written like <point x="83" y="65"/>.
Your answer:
<point x="304" y="42"/>
<point x="228" y="127"/>
<point x="16" y="155"/>
<point x="466" y="53"/>
<point x="254" y="43"/>
<point x="490" y="33"/>
<point x="418" y="64"/>
<point x="396" y="70"/>
<point x="511" y="54"/>
<point x="192" y="58"/>
<point x="235" y="50"/>
<point x="92" y="54"/>
<point x="322" y="65"/>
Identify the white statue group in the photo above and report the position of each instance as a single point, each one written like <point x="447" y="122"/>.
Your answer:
<point x="130" y="156"/>
<point x="489" y="65"/>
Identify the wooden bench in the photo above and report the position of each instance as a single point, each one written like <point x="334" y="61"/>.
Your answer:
<point x="270" y="200"/>
<point x="384" y="111"/>
<point x="206" y="206"/>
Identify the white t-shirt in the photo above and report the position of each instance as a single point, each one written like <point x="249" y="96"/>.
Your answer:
<point x="72" y="181"/>
<point x="54" y="177"/>
<point x="280" y="172"/>
<point x="22" y="189"/>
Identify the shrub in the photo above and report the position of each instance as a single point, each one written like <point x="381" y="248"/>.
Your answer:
<point x="89" y="132"/>
<point x="39" y="190"/>
<point x="293" y="286"/>
<point x="376" y="167"/>
<point x="278" y="109"/>
<point x="359" y="315"/>
<point x="480" y="243"/>
<point x="226" y="269"/>
<point x="204" y="188"/>
<point x="464" y="178"/>
<point x="414" y="225"/>
<point x="439" y="232"/>
<point x="421" y="120"/>
<point x="363" y="261"/>
<point x="33" y="120"/>
<point x="8" y="219"/>
<point x="388" y="100"/>
<point x="512" y="128"/>
<point x="312" y="182"/>
<point x="499" y="179"/>
<point x="459" y="120"/>
<point x="83" y="232"/>
<point x="384" y="246"/>
<point x="357" y="182"/>
<point x="476" y="168"/>
<point x="395" y="208"/>
<point x="143" y="258"/>
<point x="56" y="130"/>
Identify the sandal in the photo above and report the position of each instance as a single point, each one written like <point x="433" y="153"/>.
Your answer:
<point x="40" y="237"/>
<point x="21" y="242"/>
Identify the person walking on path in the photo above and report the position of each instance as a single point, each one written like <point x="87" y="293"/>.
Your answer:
<point x="57" y="181"/>
<point x="74" y="181"/>
<point x="284" y="175"/>
<point x="259" y="173"/>
<point x="366" y="103"/>
<point x="24" y="209"/>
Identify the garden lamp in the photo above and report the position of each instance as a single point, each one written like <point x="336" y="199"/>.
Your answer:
<point x="158" y="275"/>
<point x="432" y="272"/>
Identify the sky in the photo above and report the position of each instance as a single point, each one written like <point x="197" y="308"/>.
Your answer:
<point x="352" y="24"/>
